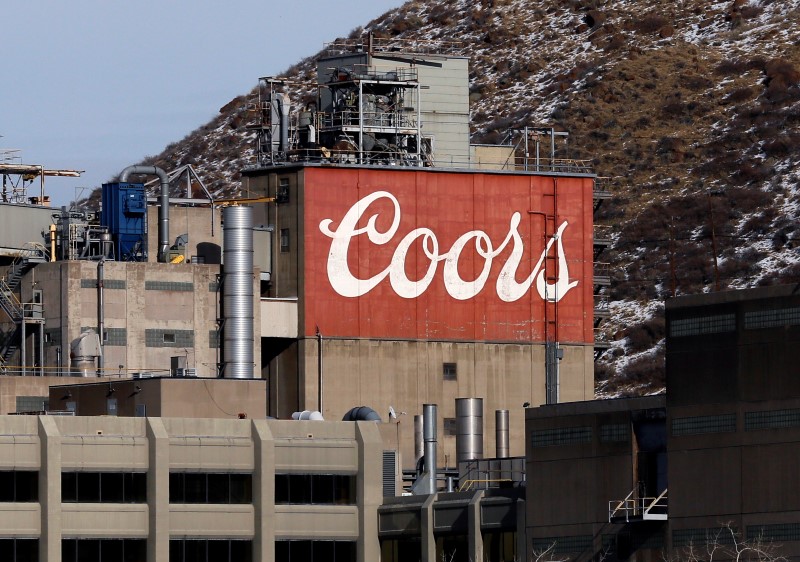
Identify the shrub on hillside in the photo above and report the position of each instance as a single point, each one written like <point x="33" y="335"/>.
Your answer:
<point x="649" y="23"/>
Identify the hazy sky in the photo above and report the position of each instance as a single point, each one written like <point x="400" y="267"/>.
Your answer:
<point x="96" y="85"/>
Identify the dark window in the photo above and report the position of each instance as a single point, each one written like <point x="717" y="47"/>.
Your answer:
<point x="449" y="426"/>
<point x="450" y="371"/>
<point x="104" y="487"/>
<point x="283" y="191"/>
<point x="103" y="550"/>
<point x="19" y="486"/>
<point x="210" y="550"/>
<point x="284" y="239"/>
<point x="315" y="551"/>
<point x="19" y="550"/>
<point x="210" y="487"/>
<point x="315" y="489"/>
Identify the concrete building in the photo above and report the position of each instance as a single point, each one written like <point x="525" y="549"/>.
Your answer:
<point x="181" y="489"/>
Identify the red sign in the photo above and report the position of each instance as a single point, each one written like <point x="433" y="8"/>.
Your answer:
<point x="410" y="254"/>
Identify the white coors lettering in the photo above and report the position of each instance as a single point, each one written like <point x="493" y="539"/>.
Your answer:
<point x="508" y="289"/>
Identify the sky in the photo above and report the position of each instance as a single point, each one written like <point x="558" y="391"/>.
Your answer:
<point x="97" y="85"/>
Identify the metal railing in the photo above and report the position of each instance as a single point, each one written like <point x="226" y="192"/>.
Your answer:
<point x="636" y="508"/>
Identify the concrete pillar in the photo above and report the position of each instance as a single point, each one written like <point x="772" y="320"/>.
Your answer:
<point x="157" y="490"/>
<point x="474" y="526"/>
<point x="522" y="533"/>
<point x="263" y="492"/>
<point x="370" y="488"/>
<point x="426" y="522"/>
<point x="50" y="490"/>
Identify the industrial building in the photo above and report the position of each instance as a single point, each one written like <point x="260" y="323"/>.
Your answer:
<point x="712" y="463"/>
<point x="375" y="258"/>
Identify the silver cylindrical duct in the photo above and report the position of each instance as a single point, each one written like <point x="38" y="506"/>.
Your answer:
<point x="469" y="429"/>
<point x="163" y="205"/>
<point x="429" y="413"/>
<point x="237" y="293"/>
<point x="283" y="102"/>
<point x="419" y="444"/>
<point x="501" y="433"/>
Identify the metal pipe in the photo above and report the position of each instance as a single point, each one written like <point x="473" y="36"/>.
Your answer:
<point x="319" y="369"/>
<point x="501" y="426"/>
<point x="469" y="429"/>
<point x="163" y="206"/>
<point x="429" y="413"/>
<point x="101" y="314"/>
<point x="419" y="444"/>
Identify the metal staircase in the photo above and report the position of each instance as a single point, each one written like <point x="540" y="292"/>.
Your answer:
<point x="634" y="508"/>
<point x="18" y="312"/>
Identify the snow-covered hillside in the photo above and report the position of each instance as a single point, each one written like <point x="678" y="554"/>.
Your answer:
<point x="689" y="110"/>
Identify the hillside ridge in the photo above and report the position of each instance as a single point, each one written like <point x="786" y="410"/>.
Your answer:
<point x="689" y="112"/>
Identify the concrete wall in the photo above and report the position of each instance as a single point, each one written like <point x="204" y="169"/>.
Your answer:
<point x="175" y="298"/>
<point x="407" y="374"/>
<point x="157" y="446"/>
<point x="164" y="397"/>
<point x="203" y="227"/>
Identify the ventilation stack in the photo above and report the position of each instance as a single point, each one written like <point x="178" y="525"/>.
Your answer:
<point x="501" y="434"/>
<point x="469" y="429"/>
<point x="237" y="293"/>
<point x="426" y="483"/>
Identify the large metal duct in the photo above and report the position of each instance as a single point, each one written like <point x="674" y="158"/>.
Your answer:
<point x="469" y="429"/>
<point x="237" y="293"/>
<point x="361" y="413"/>
<point x="163" y="205"/>
<point x="501" y="433"/>
<point x="419" y="444"/>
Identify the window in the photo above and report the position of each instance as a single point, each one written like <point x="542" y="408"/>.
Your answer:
<point x="315" y="551"/>
<point x="103" y="550"/>
<point x="284" y="239"/>
<point x="563" y="545"/>
<point x="715" y="324"/>
<point x="338" y="489"/>
<point x="771" y="419"/>
<point x="283" y="191"/>
<point x="449" y="371"/>
<point x="615" y="433"/>
<point x="210" y="550"/>
<point x="696" y="425"/>
<point x="104" y="487"/>
<point x="19" y="550"/>
<point x="169" y="337"/>
<point x="449" y="426"/>
<point x="19" y="486"/>
<point x="32" y="403"/>
<point x="561" y="436"/>
<point x="205" y="487"/>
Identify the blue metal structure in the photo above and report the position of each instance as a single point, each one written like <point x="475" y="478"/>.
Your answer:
<point x="125" y="215"/>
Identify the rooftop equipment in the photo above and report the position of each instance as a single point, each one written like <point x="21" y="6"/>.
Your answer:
<point x="469" y="429"/>
<point x="125" y="216"/>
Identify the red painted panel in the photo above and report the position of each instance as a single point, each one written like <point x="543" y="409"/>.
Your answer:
<point x="444" y="255"/>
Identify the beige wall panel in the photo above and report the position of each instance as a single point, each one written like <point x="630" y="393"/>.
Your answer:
<point x="330" y="522"/>
<point x="211" y="453"/>
<point x="279" y="318"/>
<point x="19" y="452"/>
<point x="103" y="520"/>
<point x="169" y="309"/>
<point x="104" y="453"/>
<point x="20" y="519"/>
<point x="316" y="455"/>
<point x="193" y="520"/>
